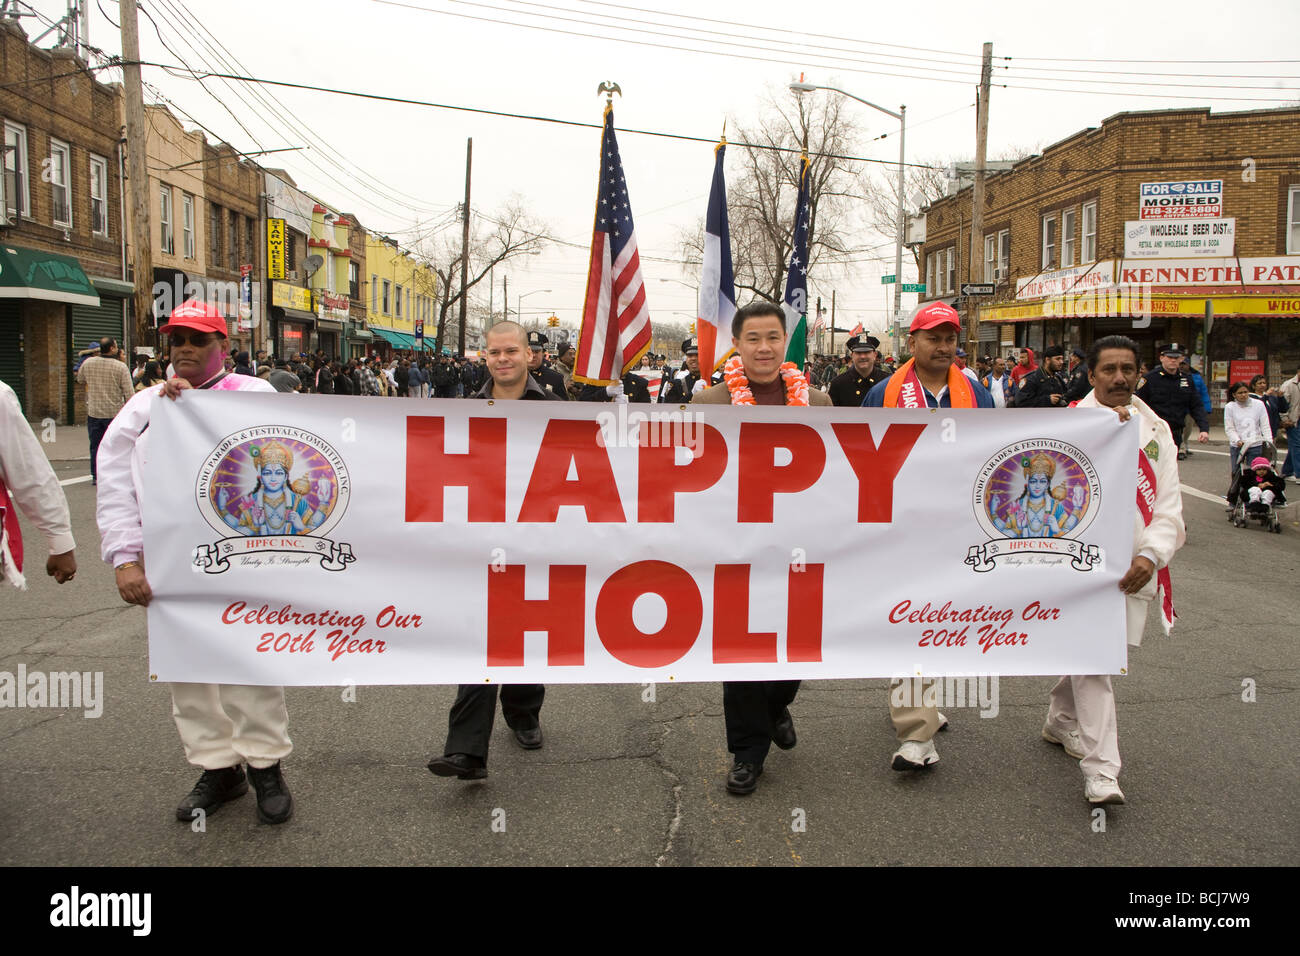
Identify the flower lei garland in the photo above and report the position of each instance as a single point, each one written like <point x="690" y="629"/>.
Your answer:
<point x="796" y="385"/>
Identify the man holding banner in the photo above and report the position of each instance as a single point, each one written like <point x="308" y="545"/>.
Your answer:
<point x="757" y="713"/>
<point x="1081" y="714"/>
<point x="929" y="379"/>
<point x="221" y="725"/>
<point x="469" y="730"/>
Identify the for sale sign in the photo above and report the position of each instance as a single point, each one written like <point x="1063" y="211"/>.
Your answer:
<point x="1201" y="199"/>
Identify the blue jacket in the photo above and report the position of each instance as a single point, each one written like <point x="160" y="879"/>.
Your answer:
<point x="1198" y="382"/>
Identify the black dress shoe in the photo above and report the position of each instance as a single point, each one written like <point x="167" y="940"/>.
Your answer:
<point x="783" y="733"/>
<point x="743" y="778"/>
<point x="529" y="739"/>
<point x="461" y="766"/>
<point x="214" y="788"/>
<point x="274" y="802"/>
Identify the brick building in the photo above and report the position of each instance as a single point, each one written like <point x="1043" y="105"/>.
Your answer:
<point x="1169" y="225"/>
<point x="231" y="221"/>
<point x="62" y="278"/>
<point x="359" y="337"/>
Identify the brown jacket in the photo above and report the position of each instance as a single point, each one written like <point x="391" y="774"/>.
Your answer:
<point x="718" y="395"/>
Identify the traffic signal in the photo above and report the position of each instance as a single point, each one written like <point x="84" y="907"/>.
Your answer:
<point x="553" y="321"/>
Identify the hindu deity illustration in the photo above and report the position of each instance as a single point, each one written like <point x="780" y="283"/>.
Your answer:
<point x="1041" y="510"/>
<point x="277" y="504"/>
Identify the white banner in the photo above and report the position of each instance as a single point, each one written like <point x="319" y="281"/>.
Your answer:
<point x="329" y="540"/>
<point x="1072" y="281"/>
<point x="1185" y="239"/>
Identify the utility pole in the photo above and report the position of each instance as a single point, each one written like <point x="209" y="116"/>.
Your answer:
<point x="505" y="298"/>
<point x="977" y="192"/>
<point x="138" y="175"/>
<point x="832" y="348"/>
<point x="464" y="251"/>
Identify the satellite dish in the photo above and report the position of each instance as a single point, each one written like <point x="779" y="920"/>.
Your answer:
<point x="312" y="263"/>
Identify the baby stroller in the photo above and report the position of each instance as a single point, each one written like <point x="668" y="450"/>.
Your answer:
<point x="1242" y="509"/>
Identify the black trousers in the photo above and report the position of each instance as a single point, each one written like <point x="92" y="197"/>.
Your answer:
<point x="751" y="709"/>
<point x="96" y="427"/>
<point x="469" y="726"/>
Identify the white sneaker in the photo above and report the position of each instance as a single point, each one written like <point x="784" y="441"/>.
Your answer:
<point x="943" y="721"/>
<point x="1068" y="739"/>
<point x="1103" y="789"/>
<point x="915" y="755"/>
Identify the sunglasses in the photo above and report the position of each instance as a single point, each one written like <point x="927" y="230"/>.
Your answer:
<point x="197" y="339"/>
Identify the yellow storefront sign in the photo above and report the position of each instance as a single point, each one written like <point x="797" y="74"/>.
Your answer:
<point x="275" y="254"/>
<point x="1111" y="304"/>
<point x="288" y="296"/>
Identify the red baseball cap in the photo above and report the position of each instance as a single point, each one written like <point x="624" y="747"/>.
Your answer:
<point x="933" y="315"/>
<point x="197" y="315"/>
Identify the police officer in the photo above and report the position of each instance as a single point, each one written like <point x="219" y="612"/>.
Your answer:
<point x="1173" y="397"/>
<point x="1077" y="376"/>
<point x="849" y="387"/>
<point x="632" y="388"/>
<point x="547" y="377"/>
<point x="682" y="386"/>
<point x="1044" y="387"/>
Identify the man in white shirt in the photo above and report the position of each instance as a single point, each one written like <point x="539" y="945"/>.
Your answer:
<point x="1081" y="713"/>
<point x="998" y="384"/>
<point x="28" y="482"/>
<point x="222" y="726"/>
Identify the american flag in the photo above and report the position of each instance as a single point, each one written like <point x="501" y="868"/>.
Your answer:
<point x="615" y="321"/>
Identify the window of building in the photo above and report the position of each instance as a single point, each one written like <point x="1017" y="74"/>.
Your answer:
<point x="187" y="223"/>
<point x="249" y="255"/>
<point x="214" y="234"/>
<point x="951" y="271"/>
<point x="388" y="288"/>
<point x="290" y="252"/>
<point x="99" y="195"/>
<point x="1004" y="253"/>
<point x="991" y="257"/>
<point x="929" y="275"/>
<point x="1089" y="232"/>
<point x="354" y="280"/>
<point x="1049" y="243"/>
<point x="374" y="293"/>
<point x="18" y="200"/>
<point x="60" y="178"/>
<point x="168" y="243"/>
<point x="399" y="301"/>
<point x="232" y="244"/>
<point x="1067" y="238"/>
<point x="1293" y="222"/>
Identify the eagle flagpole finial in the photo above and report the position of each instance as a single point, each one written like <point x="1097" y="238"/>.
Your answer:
<point x="609" y="89"/>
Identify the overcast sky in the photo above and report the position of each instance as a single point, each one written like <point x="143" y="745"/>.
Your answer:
<point x="401" y="167"/>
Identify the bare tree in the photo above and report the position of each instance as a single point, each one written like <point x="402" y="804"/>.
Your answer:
<point x="761" y="195"/>
<point x="494" y="239"/>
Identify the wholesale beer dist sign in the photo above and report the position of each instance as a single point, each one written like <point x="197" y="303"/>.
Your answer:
<point x="1201" y="199"/>
<point x="335" y="540"/>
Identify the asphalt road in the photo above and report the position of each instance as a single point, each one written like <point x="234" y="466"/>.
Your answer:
<point x="1210" y="778"/>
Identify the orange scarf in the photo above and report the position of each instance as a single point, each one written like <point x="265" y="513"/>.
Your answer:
<point x="904" y="389"/>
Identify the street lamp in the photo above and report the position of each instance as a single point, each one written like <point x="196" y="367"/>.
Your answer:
<point x="901" y="116"/>
<point x="519" y="311"/>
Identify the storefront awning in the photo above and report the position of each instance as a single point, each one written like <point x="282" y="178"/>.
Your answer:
<point x="31" y="274"/>
<point x="360" y="335"/>
<point x="396" y="339"/>
<point x="1125" y="302"/>
<point x="293" y="315"/>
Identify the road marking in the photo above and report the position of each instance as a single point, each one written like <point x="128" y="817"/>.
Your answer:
<point x="75" y="481"/>
<point x="1206" y="496"/>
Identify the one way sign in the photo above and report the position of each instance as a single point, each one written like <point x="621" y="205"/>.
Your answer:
<point x="977" y="288"/>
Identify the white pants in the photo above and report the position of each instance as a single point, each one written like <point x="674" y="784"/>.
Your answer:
<point x="1257" y="495"/>
<point x="222" y="725"/>
<point x="1087" y="704"/>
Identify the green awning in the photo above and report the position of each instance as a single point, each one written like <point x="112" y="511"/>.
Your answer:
<point x="30" y="274"/>
<point x="391" y="337"/>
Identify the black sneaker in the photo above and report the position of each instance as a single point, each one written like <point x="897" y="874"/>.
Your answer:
<point x="214" y="788"/>
<point x="274" y="802"/>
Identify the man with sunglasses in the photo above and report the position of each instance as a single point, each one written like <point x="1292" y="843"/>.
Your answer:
<point x="221" y="725"/>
